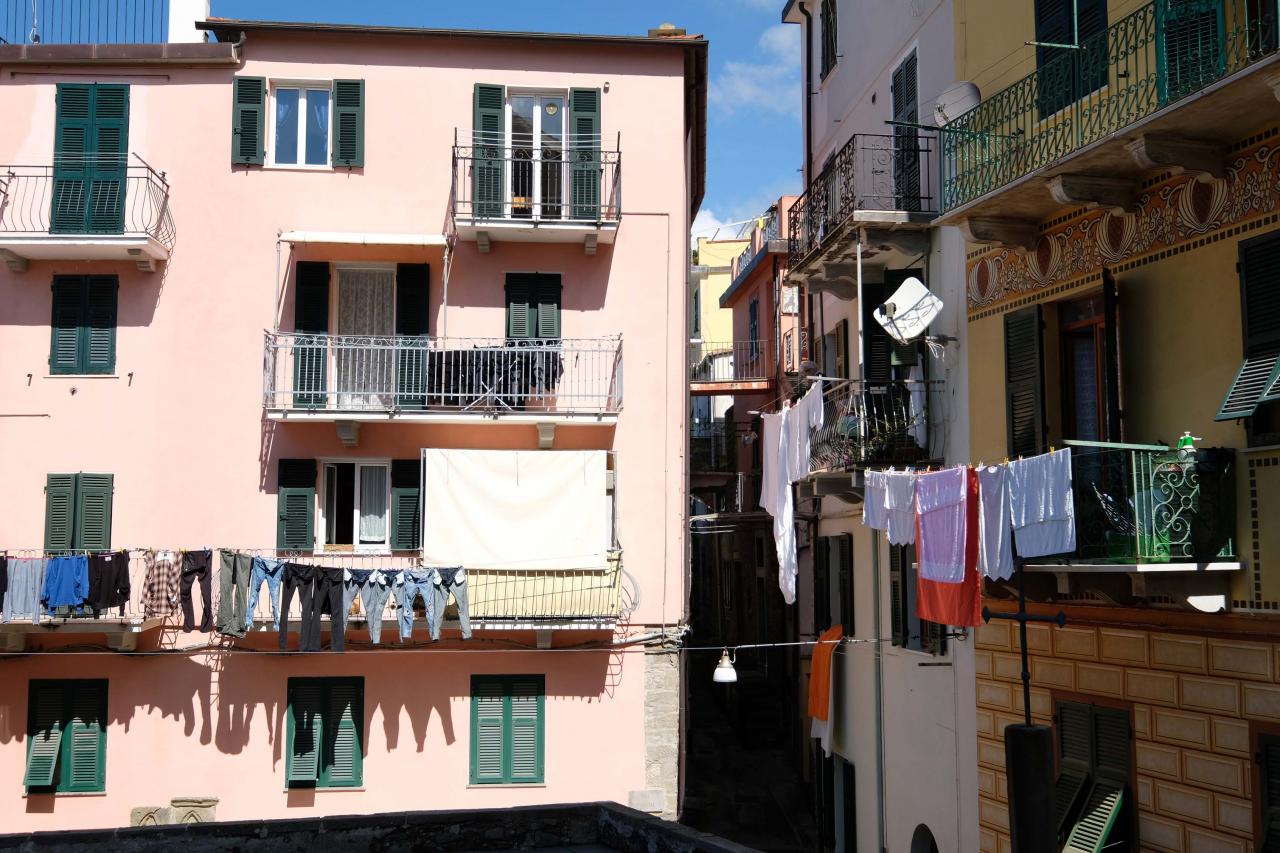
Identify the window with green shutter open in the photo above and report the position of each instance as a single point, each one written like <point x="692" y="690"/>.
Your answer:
<point x="77" y="511"/>
<point x="507" y="729"/>
<point x="1091" y="794"/>
<point x="533" y="306"/>
<point x="66" y="736"/>
<point x="325" y="733"/>
<point x="83" y="324"/>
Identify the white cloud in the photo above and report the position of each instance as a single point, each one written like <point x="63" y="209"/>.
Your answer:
<point x="706" y="223"/>
<point x="771" y="85"/>
<point x="763" y="5"/>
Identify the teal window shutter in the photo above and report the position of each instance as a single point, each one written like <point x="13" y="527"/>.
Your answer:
<point x="830" y="36"/>
<point x="897" y="597"/>
<point x="822" y="583"/>
<point x="488" y="141"/>
<point x="1093" y="778"/>
<point x="296" y="504"/>
<point x="66" y="323"/>
<point x="85" y="751"/>
<point x="547" y="292"/>
<point x="72" y="147"/>
<point x="98" y="331"/>
<point x="110" y="155"/>
<point x="843" y="558"/>
<point x="59" y="511"/>
<point x="522" y="309"/>
<point x="1190" y="49"/>
<point x="46" y="710"/>
<point x="311" y="327"/>
<point x="305" y="730"/>
<point x="1024" y="382"/>
<point x="348" y="123"/>
<point x="66" y="736"/>
<point x="584" y="153"/>
<point x="248" y="119"/>
<point x="412" y="288"/>
<point x="91" y="150"/>
<point x="1258" y="379"/>
<point x="93" y="511"/>
<point x="507" y="729"/>
<point x="406" y="504"/>
<point x="342" y="754"/>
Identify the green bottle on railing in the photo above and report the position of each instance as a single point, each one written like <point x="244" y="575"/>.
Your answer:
<point x="1187" y="446"/>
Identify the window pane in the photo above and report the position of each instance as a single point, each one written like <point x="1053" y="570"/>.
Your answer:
<point x="286" y="126"/>
<point x="317" y="127"/>
<point x="373" y="505"/>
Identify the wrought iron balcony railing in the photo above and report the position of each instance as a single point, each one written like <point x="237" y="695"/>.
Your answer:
<point x="91" y="194"/>
<point x="567" y="179"/>
<point x="1147" y="503"/>
<point x="345" y="373"/>
<point x="728" y="361"/>
<point x="872" y="172"/>
<point x="498" y="598"/>
<point x="84" y="22"/>
<point x="713" y="447"/>
<point x="868" y="423"/>
<point x="1147" y="60"/>
<point x="768" y="229"/>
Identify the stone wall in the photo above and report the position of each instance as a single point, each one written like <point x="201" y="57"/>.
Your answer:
<point x="661" y="735"/>
<point x="1192" y="700"/>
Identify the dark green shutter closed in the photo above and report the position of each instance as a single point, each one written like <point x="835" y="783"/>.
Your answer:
<point x="584" y="154"/>
<point x="248" y="119"/>
<point x="507" y="729"/>
<point x="1024" y="384"/>
<point x="533" y="306"/>
<point x="72" y="147"/>
<point x="897" y="597"/>
<point x="342" y="764"/>
<point x="85" y="750"/>
<point x="91" y="150"/>
<point x="311" y="327"/>
<point x="296" y="501"/>
<point x="488" y="141"/>
<point x="107" y="180"/>
<point x="412" y="287"/>
<point x="488" y="705"/>
<point x="547" y="292"/>
<point x="59" y="511"/>
<point x="1075" y="751"/>
<point x="302" y="761"/>
<point x="68" y="317"/>
<point x="906" y="144"/>
<point x="843" y="560"/>
<point x="521" y="310"/>
<point x="822" y="584"/>
<point x="348" y="123"/>
<point x="406" y="504"/>
<point x="93" y="511"/>
<point x="98" y="337"/>
<point x="525" y="729"/>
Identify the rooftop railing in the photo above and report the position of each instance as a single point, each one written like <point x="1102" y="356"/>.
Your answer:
<point x="566" y="179"/>
<point x="866" y="423"/>
<point x="872" y="172"/>
<point x="1153" y="57"/>
<point x="728" y="361"/>
<point x="352" y="373"/>
<point x="84" y="22"/>
<point x="87" y="194"/>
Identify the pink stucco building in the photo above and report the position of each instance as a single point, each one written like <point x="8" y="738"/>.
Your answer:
<point x="356" y="298"/>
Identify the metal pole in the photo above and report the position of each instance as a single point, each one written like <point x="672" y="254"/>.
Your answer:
<point x="860" y="310"/>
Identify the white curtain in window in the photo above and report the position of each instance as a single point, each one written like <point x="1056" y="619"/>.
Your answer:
<point x="373" y="504"/>
<point x="366" y="361"/>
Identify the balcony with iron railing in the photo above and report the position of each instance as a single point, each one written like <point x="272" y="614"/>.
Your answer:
<point x="85" y="208"/>
<point x="498" y="600"/>
<point x="869" y="424"/>
<point x="1181" y="79"/>
<point x="725" y="367"/>
<point x="361" y="378"/>
<point x="565" y="189"/>
<point x="882" y="181"/>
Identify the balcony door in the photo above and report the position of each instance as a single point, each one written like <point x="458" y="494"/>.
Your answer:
<point x="364" y="351"/>
<point x="91" y="150"/>
<point x="537" y="144"/>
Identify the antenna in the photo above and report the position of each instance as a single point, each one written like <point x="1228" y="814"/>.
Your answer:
<point x="906" y="314"/>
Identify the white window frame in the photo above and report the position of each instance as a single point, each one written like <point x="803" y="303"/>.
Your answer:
<point x="302" y="84"/>
<point x="563" y="95"/>
<point x="322" y="527"/>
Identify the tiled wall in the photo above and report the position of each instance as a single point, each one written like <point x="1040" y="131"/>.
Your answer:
<point x="1193" y="698"/>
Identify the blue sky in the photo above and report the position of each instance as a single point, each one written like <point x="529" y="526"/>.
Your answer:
<point x="754" y="148"/>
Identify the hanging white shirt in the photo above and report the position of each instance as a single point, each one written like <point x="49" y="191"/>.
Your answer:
<point x="770" y="458"/>
<point x="811" y="416"/>
<point x="941" y="499"/>
<point x="900" y="505"/>
<point x="874" y="513"/>
<point x="995" y="554"/>
<point x="1042" y="507"/>
<point x="784" y="528"/>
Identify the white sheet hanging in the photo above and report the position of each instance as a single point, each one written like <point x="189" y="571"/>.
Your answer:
<point x="515" y="509"/>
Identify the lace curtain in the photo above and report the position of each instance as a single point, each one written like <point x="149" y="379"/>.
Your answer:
<point x="366" y="369"/>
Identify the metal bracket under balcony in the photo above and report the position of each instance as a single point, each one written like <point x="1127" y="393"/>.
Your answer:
<point x="88" y="208"/>
<point x="565" y="189"/>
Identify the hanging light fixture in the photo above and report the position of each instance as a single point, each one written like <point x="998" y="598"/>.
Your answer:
<point x="725" y="673"/>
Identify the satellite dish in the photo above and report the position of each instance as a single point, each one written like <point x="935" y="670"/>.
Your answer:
<point x="955" y="101"/>
<point x="907" y="314"/>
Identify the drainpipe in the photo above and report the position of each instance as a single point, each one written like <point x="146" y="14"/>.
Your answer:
<point x="808" y="93"/>
<point x="882" y="812"/>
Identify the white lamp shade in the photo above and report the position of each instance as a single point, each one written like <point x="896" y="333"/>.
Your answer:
<point x="725" y="673"/>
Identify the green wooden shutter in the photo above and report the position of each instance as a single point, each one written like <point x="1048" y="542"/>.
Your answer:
<point x="248" y="119"/>
<point x="1258" y="379"/>
<point x="86" y="741"/>
<point x="68" y="317"/>
<point x="897" y="597"/>
<point x="1024" y="383"/>
<point x="108" y="160"/>
<point x="488" y="704"/>
<point x="46" y="710"/>
<point x="822" y="584"/>
<point x="305" y="730"/>
<point x="73" y="138"/>
<point x="98" y="332"/>
<point x="93" y="511"/>
<point x="1054" y="66"/>
<point x="1075" y="751"/>
<point x="1190" y="51"/>
<point x="1093" y="829"/>
<point x="906" y="143"/>
<point x="412" y="288"/>
<point x="296" y="502"/>
<point x="406" y="504"/>
<point x="525" y="737"/>
<point x="584" y="154"/>
<point x="830" y="36"/>
<point x="311" y="328"/>
<point x="547" y="292"/>
<point x="59" y="511"/>
<point x="348" y="123"/>
<point x="522" y="309"/>
<point x="843" y="559"/>
<point x="343" y="758"/>
<point x="1092" y="62"/>
<point x="877" y="366"/>
<point x="488" y="141"/>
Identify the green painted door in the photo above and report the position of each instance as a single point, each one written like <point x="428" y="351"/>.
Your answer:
<point x="91" y="150"/>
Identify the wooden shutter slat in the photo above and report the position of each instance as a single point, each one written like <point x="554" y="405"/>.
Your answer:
<point x="525" y="738"/>
<point x="1111" y="744"/>
<point x="67" y="319"/>
<point x="93" y="511"/>
<point x="487" y="724"/>
<point x="110" y="153"/>
<point x="59" y="511"/>
<point x="86" y="731"/>
<point x="822" y="584"/>
<point x="1102" y="806"/>
<point x="44" y="734"/>
<point x="305" y="731"/>
<point x="844" y="568"/>
<point x="488" y="140"/>
<point x="546" y="297"/>
<point x="73" y="142"/>
<point x="584" y="153"/>
<point x="521" y="306"/>
<point x="406" y="504"/>
<point x="348" y="123"/>
<point x="343" y="725"/>
<point x="99" y="325"/>
<point x="897" y="599"/>
<point x="296" y="497"/>
<point x="1024" y="384"/>
<point x="248" y="112"/>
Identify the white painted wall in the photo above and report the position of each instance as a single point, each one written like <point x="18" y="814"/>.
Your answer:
<point x="183" y="15"/>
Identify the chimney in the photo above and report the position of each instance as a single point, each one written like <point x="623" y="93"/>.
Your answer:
<point x="666" y="30"/>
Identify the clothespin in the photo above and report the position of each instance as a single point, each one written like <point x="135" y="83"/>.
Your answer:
<point x="1051" y="448"/>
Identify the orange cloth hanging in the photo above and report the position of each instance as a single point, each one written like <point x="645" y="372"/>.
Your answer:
<point x="958" y="604"/>
<point x="820" y="672"/>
